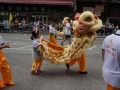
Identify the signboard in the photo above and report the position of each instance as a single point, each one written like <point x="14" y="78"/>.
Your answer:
<point x="98" y="13"/>
<point x="21" y="8"/>
<point x="34" y="8"/>
<point x="99" y="8"/>
<point x="88" y="9"/>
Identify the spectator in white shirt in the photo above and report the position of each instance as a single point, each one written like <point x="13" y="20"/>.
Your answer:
<point x="111" y="58"/>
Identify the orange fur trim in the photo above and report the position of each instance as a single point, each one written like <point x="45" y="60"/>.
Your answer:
<point x="51" y="45"/>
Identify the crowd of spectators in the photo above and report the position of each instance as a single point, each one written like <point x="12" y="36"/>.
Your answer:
<point x="24" y="26"/>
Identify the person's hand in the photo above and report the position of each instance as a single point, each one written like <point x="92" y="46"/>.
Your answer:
<point x="6" y="45"/>
<point x="39" y="44"/>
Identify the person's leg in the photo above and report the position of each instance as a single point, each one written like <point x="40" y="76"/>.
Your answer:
<point x="39" y="63"/>
<point x="24" y="28"/>
<point x="34" y="68"/>
<point x="53" y="40"/>
<point x="71" y="62"/>
<point x="2" y="84"/>
<point x="64" y="40"/>
<point x="109" y="87"/>
<point x="82" y="64"/>
<point x="112" y="31"/>
<point x="44" y="32"/>
<point x="69" y="39"/>
<point x="18" y="30"/>
<point x="1" y="80"/>
<point x="31" y="29"/>
<point x="5" y="71"/>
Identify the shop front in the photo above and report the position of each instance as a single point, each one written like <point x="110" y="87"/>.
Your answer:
<point x="43" y="12"/>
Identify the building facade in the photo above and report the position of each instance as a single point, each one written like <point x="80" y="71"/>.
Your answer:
<point x="107" y="10"/>
<point x="44" y="10"/>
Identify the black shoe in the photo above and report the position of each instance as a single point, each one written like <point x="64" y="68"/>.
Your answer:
<point x="68" y="66"/>
<point x="83" y="72"/>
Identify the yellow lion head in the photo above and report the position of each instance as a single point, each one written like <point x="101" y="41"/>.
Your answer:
<point x="86" y="22"/>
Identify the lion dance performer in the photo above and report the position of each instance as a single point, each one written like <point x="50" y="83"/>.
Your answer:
<point x="62" y="34"/>
<point x="85" y="33"/>
<point x="4" y="67"/>
<point x="81" y="60"/>
<point x="52" y="32"/>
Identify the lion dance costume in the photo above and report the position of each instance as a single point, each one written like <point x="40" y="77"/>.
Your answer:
<point x="85" y="28"/>
<point x="82" y="59"/>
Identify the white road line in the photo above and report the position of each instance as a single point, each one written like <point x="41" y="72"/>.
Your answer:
<point x="17" y="49"/>
<point x="92" y="47"/>
<point x="25" y="47"/>
<point x="13" y="42"/>
<point x="21" y="48"/>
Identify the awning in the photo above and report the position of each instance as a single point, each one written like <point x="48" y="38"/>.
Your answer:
<point x="50" y="2"/>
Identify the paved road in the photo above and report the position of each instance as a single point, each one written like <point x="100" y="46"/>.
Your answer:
<point x="54" y="77"/>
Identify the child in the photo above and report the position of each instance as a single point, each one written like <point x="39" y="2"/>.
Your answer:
<point x="36" y="55"/>
<point x="4" y="67"/>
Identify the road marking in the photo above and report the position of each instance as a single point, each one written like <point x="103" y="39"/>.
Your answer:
<point x="17" y="49"/>
<point x="13" y="42"/>
<point x="21" y="48"/>
<point x="25" y="47"/>
<point x="92" y="47"/>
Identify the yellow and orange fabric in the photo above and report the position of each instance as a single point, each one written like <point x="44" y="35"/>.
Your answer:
<point x="37" y="64"/>
<point x="4" y="70"/>
<point x="81" y="62"/>
<point x="109" y="87"/>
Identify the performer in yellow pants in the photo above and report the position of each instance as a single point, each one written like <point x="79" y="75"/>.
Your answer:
<point x="81" y="63"/>
<point x="4" y="67"/>
<point x="52" y="33"/>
